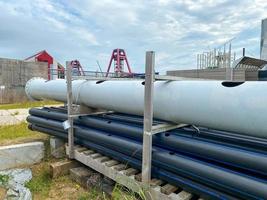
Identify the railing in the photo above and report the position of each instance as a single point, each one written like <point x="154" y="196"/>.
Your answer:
<point x="61" y="74"/>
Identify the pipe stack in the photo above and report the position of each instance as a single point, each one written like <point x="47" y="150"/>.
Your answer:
<point x="213" y="164"/>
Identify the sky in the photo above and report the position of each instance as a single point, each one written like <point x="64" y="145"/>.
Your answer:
<point x="88" y="30"/>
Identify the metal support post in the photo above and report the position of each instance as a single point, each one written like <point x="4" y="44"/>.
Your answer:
<point x="70" y="102"/>
<point x="148" y="117"/>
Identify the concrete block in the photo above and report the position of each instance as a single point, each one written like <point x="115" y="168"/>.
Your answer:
<point x="80" y="175"/>
<point x="57" y="147"/>
<point x="86" y="177"/>
<point x="108" y="186"/>
<point x="108" y="181"/>
<point x="62" y="168"/>
<point x="168" y="189"/>
<point x="13" y="156"/>
<point x="95" y="180"/>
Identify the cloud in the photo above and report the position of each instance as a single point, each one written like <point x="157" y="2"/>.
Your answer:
<point x="89" y="30"/>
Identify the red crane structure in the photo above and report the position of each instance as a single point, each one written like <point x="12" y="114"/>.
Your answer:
<point x="119" y="57"/>
<point x="77" y="68"/>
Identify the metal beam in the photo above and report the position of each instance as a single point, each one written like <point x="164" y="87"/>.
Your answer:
<point x="148" y="117"/>
<point x="93" y="78"/>
<point x="69" y="102"/>
<point x="165" y="127"/>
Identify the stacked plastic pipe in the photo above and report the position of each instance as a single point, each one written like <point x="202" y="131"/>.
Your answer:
<point x="210" y="163"/>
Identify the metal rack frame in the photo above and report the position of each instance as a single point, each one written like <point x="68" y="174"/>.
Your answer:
<point x="148" y="131"/>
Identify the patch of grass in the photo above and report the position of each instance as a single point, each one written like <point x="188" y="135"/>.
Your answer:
<point x="122" y="193"/>
<point x="10" y="132"/>
<point x="41" y="181"/>
<point x="94" y="193"/>
<point x="47" y="153"/>
<point x="4" y="179"/>
<point x="85" y="196"/>
<point x="28" y="104"/>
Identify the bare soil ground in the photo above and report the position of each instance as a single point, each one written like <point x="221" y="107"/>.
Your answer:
<point x="2" y="193"/>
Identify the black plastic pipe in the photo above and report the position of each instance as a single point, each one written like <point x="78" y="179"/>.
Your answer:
<point x="251" y="161"/>
<point x="138" y="121"/>
<point x="224" y="154"/>
<point x="187" y="184"/>
<point x="222" y="137"/>
<point x="216" y="177"/>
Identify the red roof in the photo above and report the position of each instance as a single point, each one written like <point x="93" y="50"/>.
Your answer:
<point x="38" y="54"/>
<point x="43" y="56"/>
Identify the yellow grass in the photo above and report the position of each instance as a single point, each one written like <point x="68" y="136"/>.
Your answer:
<point x="10" y="134"/>
<point x="28" y="104"/>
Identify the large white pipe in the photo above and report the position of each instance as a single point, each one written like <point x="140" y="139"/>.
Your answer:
<point x="242" y="108"/>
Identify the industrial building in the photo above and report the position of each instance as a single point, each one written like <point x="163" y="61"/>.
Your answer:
<point x="223" y="65"/>
<point x="218" y="74"/>
<point x="213" y="67"/>
<point x="15" y="73"/>
<point x="13" y="76"/>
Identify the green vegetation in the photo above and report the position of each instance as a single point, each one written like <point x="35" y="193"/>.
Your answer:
<point x="11" y="133"/>
<point x="28" y="104"/>
<point x="123" y="193"/>
<point x="93" y="194"/>
<point x="119" y="193"/>
<point x="4" y="179"/>
<point x="84" y="197"/>
<point x="41" y="181"/>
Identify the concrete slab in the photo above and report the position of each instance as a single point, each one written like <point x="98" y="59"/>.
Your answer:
<point x="13" y="116"/>
<point x="18" y="155"/>
<point x="21" y="118"/>
<point x="8" y="120"/>
<point x="4" y="113"/>
<point x="20" y="111"/>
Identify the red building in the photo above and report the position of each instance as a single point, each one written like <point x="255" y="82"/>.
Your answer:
<point x="54" y="69"/>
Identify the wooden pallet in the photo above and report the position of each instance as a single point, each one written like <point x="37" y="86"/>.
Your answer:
<point x="127" y="176"/>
